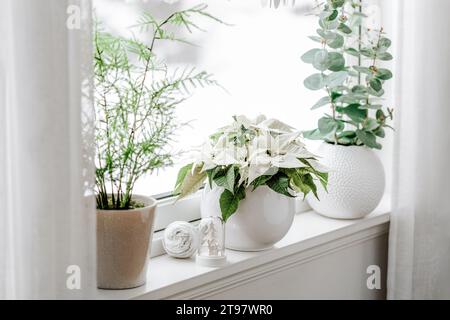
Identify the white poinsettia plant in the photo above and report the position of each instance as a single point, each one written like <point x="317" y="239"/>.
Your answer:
<point x="249" y="154"/>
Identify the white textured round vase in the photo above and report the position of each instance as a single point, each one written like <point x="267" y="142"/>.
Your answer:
<point x="355" y="185"/>
<point x="261" y="220"/>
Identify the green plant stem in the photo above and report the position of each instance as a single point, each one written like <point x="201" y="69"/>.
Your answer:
<point x="359" y="44"/>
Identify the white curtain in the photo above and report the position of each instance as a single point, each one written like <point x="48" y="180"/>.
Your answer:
<point x="47" y="218"/>
<point x="419" y="252"/>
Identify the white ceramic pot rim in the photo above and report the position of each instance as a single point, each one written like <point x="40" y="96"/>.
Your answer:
<point x="149" y="203"/>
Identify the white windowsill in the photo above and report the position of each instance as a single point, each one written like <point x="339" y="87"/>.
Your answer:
<point x="310" y="234"/>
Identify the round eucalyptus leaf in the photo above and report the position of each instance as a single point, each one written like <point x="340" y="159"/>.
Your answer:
<point x="321" y="61"/>
<point x="385" y="43"/>
<point x="384" y="74"/>
<point x="359" y="89"/>
<point x="376" y="84"/>
<point x="322" y="102"/>
<point x="371" y="124"/>
<point x="352" y="52"/>
<point x="334" y="14"/>
<point x="337" y="43"/>
<point x="337" y="3"/>
<point x="380" y="132"/>
<point x="316" y="39"/>
<point x="308" y="57"/>
<point x="345" y="29"/>
<point x="329" y="126"/>
<point x="315" y="82"/>
<point x="336" y="61"/>
<point x="375" y="93"/>
<point x="368" y="138"/>
<point x="385" y="56"/>
<point x="355" y="113"/>
<point x="336" y="78"/>
<point x="367" y="52"/>
<point x="371" y="106"/>
<point x="327" y="35"/>
<point x="364" y="70"/>
<point x="313" y="135"/>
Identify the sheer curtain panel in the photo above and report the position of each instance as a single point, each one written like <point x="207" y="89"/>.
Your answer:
<point x="419" y="251"/>
<point x="47" y="218"/>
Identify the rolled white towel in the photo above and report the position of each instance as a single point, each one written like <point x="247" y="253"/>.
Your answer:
<point x="181" y="240"/>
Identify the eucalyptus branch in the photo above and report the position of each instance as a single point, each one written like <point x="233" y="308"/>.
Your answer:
<point x="349" y="98"/>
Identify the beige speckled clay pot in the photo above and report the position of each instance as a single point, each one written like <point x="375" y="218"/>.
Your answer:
<point x="123" y="245"/>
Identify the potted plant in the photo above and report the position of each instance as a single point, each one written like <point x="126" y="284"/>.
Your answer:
<point x="349" y="71"/>
<point x="254" y="169"/>
<point x="136" y="95"/>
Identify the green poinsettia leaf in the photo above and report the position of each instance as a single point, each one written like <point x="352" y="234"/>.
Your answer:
<point x="192" y="182"/>
<point x="226" y="179"/>
<point x="309" y="181"/>
<point x="260" y="181"/>
<point x="296" y="183"/>
<point x="280" y="184"/>
<point x="182" y="176"/>
<point x="229" y="204"/>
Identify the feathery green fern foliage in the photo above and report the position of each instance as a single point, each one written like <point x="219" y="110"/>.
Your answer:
<point x="136" y="95"/>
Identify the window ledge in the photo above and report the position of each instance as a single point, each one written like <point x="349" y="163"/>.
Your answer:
<point x="311" y="236"/>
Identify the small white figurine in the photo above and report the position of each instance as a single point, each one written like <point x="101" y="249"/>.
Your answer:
<point x="181" y="240"/>
<point x="211" y="252"/>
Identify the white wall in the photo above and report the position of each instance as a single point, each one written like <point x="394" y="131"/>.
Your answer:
<point x="338" y="275"/>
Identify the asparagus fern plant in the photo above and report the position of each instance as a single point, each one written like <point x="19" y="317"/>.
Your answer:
<point x="136" y="95"/>
<point x="349" y="71"/>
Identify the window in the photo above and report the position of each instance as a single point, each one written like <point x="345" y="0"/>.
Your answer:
<point x="256" y="60"/>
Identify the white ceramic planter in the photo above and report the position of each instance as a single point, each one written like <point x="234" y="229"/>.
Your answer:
<point x="262" y="219"/>
<point x="123" y="245"/>
<point x="356" y="182"/>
